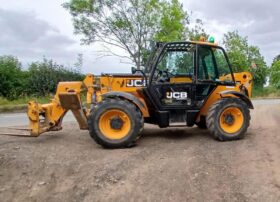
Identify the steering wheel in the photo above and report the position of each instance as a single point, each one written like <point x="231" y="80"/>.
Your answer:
<point x="164" y="76"/>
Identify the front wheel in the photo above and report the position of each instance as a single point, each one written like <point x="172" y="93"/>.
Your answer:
<point x="228" y="119"/>
<point x="115" y="123"/>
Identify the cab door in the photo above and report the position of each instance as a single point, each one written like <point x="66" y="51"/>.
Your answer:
<point x="172" y="83"/>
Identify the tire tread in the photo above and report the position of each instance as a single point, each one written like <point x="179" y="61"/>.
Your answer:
<point x="212" y="121"/>
<point x="137" y="116"/>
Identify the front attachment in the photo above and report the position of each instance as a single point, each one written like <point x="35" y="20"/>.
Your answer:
<point x="15" y="131"/>
<point x="48" y="117"/>
<point x="43" y="118"/>
<point x="33" y="115"/>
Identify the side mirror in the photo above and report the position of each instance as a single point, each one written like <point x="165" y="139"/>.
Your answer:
<point x="133" y="70"/>
<point x="141" y="70"/>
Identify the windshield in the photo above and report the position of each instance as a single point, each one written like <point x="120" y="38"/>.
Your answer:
<point x="213" y="66"/>
<point x="176" y="64"/>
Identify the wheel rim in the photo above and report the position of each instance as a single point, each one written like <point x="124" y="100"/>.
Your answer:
<point x="114" y="124"/>
<point x="231" y="120"/>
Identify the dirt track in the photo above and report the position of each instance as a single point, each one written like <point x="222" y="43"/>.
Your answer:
<point x="167" y="165"/>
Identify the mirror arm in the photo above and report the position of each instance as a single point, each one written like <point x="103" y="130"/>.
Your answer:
<point x="144" y="75"/>
<point x="134" y="71"/>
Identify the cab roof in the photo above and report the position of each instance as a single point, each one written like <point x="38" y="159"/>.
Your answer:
<point x="204" y="43"/>
<point x="161" y="44"/>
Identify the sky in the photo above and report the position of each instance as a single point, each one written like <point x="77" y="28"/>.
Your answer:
<point x="33" y="29"/>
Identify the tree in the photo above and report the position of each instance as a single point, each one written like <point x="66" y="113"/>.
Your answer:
<point x="197" y="31"/>
<point x="129" y="25"/>
<point x="245" y="57"/>
<point x="237" y="50"/>
<point x="260" y="72"/>
<point x="275" y="74"/>
<point x="276" y="58"/>
<point x="172" y="24"/>
<point x="79" y="64"/>
<point x="11" y="84"/>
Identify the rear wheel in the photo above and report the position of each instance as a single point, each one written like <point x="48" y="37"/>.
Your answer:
<point x="228" y="119"/>
<point x="115" y="123"/>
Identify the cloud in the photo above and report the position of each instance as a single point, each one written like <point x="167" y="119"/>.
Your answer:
<point x="257" y="19"/>
<point x="29" y="38"/>
<point x="24" y="35"/>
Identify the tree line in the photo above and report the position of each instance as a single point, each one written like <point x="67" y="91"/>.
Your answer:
<point x="275" y="72"/>
<point x="39" y="79"/>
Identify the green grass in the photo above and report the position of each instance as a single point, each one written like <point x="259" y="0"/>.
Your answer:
<point x="23" y="100"/>
<point x="266" y="92"/>
<point x="20" y="104"/>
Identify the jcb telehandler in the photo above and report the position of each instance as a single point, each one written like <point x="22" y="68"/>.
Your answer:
<point x="184" y="83"/>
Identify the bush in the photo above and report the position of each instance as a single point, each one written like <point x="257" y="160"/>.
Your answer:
<point x="11" y="77"/>
<point x="44" y="77"/>
<point x="40" y="79"/>
<point x="275" y="74"/>
<point x="269" y="92"/>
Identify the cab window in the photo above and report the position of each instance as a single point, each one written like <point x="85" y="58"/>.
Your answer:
<point x="213" y="66"/>
<point x="176" y="64"/>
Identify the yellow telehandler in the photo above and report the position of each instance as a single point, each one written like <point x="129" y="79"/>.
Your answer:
<point x="183" y="83"/>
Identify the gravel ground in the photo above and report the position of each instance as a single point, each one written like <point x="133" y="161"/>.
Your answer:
<point x="176" y="164"/>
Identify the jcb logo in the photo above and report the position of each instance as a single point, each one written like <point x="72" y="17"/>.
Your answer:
<point x="177" y="95"/>
<point x="135" y="83"/>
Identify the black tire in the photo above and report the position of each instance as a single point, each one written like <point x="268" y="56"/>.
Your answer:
<point x="129" y="109"/>
<point x="202" y="123"/>
<point x="215" y="112"/>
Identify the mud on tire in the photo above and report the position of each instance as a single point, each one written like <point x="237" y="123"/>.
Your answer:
<point x="222" y="130"/>
<point x="132" y="114"/>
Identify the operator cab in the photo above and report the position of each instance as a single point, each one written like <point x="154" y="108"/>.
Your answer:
<point x="191" y="61"/>
<point x="182" y="76"/>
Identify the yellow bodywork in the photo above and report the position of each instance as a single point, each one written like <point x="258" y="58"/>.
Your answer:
<point x="48" y="117"/>
<point x="238" y="117"/>
<point x="108" y="131"/>
<point x="243" y="78"/>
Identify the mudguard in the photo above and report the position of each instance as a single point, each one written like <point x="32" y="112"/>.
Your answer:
<point x="243" y="97"/>
<point x="129" y="97"/>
